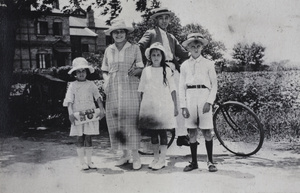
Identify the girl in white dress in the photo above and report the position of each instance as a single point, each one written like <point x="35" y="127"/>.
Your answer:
<point x="159" y="104"/>
<point x="80" y="97"/>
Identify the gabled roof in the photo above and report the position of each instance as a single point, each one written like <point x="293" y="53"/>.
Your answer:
<point x="81" y="22"/>
<point x="82" y="32"/>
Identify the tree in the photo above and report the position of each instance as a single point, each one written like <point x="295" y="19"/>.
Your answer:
<point x="249" y="57"/>
<point x="213" y="50"/>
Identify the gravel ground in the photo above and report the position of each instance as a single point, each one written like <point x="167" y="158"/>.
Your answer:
<point x="47" y="162"/>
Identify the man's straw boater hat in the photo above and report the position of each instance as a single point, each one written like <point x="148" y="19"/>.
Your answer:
<point x="118" y="24"/>
<point x="81" y="63"/>
<point x="156" y="45"/>
<point x="194" y="37"/>
<point x="161" y="11"/>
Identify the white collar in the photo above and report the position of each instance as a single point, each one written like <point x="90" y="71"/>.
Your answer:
<point x="197" y="59"/>
<point x="127" y="44"/>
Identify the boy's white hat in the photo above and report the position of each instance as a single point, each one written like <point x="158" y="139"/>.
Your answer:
<point x="193" y="37"/>
<point x="156" y="45"/>
<point x="81" y="63"/>
<point x="161" y="11"/>
<point x="118" y="24"/>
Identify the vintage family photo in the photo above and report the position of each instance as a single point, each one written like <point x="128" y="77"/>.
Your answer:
<point x="150" y="96"/>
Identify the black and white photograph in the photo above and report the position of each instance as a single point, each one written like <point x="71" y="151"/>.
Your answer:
<point x="150" y="96"/>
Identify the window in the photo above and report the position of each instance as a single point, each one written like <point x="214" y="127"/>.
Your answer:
<point x="43" y="61"/>
<point x="42" y="28"/>
<point x="57" y="28"/>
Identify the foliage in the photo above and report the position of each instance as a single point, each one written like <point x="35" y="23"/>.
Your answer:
<point x="249" y="57"/>
<point x="284" y="65"/>
<point x="274" y="97"/>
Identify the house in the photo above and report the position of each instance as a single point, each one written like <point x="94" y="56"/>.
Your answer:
<point x="54" y="39"/>
<point x="87" y="33"/>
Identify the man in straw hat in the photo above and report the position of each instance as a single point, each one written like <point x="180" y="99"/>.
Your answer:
<point x="173" y="49"/>
<point x="122" y="65"/>
<point x="197" y="92"/>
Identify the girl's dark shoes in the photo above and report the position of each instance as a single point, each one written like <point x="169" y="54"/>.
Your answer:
<point x="191" y="166"/>
<point x="184" y="140"/>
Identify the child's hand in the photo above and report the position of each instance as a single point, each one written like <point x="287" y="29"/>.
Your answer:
<point x="101" y="113"/>
<point x="185" y="113"/>
<point x="72" y="118"/>
<point x="206" y="107"/>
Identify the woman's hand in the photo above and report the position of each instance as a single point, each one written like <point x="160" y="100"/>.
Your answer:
<point x="72" y="118"/>
<point x="135" y="71"/>
<point x="206" y="107"/>
<point x="185" y="113"/>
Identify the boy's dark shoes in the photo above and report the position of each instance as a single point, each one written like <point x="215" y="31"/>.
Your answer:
<point x="190" y="167"/>
<point x="211" y="167"/>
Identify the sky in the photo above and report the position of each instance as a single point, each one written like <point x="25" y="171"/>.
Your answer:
<point x="273" y="23"/>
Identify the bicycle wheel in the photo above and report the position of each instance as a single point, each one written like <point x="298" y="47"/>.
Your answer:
<point x="146" y="146"/>
<point x="238" y="128"/>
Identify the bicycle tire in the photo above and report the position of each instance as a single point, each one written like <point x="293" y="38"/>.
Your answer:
<point x="146" y="142"/>
<point x="238" y="129"/>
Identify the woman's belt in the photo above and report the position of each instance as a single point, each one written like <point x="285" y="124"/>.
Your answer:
<point x="196" y="86"/>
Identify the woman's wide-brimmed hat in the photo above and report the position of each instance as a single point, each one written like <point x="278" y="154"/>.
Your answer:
<point x="156" y="45"/>
<point x="118" y="24"/>
<point x="194" y="37"/>
<point x="161" y="11"/>
<point x="81" y="63"/>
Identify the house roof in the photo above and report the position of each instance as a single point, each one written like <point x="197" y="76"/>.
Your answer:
<point x="81" y="22"/>
<point x="82" y="32"/>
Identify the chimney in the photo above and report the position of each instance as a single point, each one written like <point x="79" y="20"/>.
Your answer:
<point x="56" y="4"/>
<point x="90" y="17"/>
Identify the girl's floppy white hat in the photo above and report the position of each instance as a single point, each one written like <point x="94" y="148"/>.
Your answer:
<point x="156" y="45"/>
<point x="81" y="63"/>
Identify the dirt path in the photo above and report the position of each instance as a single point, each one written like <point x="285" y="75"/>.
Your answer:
<point x="49" y="164"/>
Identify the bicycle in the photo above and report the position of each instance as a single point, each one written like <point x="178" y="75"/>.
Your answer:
<point x="236" y="127"/>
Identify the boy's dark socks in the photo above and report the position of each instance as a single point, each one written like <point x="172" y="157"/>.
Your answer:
<point x="193" y="147"/>
<point x="209" y="150"/>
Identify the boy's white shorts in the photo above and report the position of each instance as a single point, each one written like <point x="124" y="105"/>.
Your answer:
<point x="196" y="98"/>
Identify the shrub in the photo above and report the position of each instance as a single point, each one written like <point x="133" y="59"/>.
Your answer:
<point x="273" y="96"/>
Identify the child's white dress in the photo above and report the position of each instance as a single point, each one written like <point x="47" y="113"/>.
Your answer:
<point x="82" y="96"/>
<point x="157" y="107"/>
